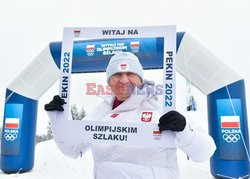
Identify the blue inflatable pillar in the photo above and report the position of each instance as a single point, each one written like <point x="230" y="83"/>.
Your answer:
<point x="18" y="133"/>
<point x="228" y="126"/>
<point x="20" y="114"/>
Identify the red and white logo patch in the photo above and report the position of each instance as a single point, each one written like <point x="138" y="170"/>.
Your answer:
<point x="157" y="134"/>
<point x="134" y="44"/>
<point x="146" y="116"/>
<point x="90" y="48"/>
<point x="123" y="66"/>
<point x="77" y="32"/>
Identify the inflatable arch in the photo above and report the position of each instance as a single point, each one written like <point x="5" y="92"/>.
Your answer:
<point x="225" y="90"/>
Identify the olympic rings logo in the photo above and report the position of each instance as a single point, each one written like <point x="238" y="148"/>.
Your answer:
<point x="134" y="50"/>
<point x="10" y="136"/>
<point x="90" y="53"/>
<point x="231" y="137"/>
<point x="157" y="137"/>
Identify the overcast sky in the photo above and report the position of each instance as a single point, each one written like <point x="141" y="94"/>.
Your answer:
<point x="28" y="26"/>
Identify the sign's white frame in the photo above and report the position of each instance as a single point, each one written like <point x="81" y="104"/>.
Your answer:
<point x="144" y="131"/>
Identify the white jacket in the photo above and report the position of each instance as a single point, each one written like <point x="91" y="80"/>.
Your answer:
<point x="131" y="162"/>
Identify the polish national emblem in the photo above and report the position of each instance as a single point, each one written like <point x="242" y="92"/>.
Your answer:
<point x="230" y="128"/>
<point x="146" y="116"/>
<point x="134" y="46"/>
<point x="90" y="50"/>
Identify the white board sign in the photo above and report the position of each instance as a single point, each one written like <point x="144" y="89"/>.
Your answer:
<point x="146" y="134"/>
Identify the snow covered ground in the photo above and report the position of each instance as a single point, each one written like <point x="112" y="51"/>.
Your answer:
<point x="50" y="163"/>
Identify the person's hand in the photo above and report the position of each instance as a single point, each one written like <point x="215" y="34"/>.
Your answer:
<point x="173" y="121"/>
<point x="55" y="105"/>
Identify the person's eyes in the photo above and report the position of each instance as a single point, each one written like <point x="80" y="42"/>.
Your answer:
<point x="130" y="74"/>
<point x="118" y="74"/>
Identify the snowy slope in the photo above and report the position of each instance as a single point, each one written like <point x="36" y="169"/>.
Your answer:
<point x="50" y="163"/>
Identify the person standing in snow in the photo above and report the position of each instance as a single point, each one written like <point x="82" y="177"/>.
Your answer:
<point x="124" y="75"/>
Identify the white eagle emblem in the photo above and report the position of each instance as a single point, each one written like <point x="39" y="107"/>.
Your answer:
<point x="146" y="116"/>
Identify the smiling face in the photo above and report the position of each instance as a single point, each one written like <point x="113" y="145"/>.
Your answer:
<point x="123" y="84"/>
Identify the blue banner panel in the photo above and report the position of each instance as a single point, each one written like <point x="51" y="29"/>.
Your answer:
<point x="94" y="55"/>
<point x="12" y="127"/>
<point x="229" y="126"/>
